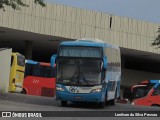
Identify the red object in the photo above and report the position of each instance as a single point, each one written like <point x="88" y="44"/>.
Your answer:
<point x="39" y="86"/>
<point x="44" y="64"/>
<point x="149" y="100"/>
<point x="39" y="80"/>
<point x="151" y="93"/>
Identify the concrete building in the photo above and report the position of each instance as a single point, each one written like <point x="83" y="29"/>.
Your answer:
<point x="36" y="32"/>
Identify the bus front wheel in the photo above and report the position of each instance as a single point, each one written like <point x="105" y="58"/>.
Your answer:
<point x="23" y="91"/>
<point x="101" y="104"/>
<point x="64" y="103"/>
<point x="155" y="105"/>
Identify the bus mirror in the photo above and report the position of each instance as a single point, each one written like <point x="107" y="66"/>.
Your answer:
<point x="53" y="60"/>
<point x="105" y="63"/>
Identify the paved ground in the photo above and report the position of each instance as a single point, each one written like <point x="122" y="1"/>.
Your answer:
<point x="19" y="102"/>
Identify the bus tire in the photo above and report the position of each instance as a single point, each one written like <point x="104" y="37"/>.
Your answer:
<point x="23" y="91"/>
<point x="101" y="104"/>
<point x="112" y="102"/>
<point x="64" y="103"/>
<point x="106" y="102"/>
<point x="155" y="105"/>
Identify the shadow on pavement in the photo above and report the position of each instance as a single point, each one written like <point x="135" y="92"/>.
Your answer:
<point x="47" y="101"/>
<point x="29" y="99"/>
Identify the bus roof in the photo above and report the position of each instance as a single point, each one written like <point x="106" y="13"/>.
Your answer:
<point x="37" y="63"/>
<point x="154" y="81"/>
<point x="44" y="64"/>
<point x="150" y="81"/>
<point x="88" y="42"/>
<point x="31" y="62"/>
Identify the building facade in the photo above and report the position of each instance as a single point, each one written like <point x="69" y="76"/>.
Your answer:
<point x="36" y="32"/>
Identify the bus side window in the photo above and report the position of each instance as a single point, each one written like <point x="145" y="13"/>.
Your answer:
<point x="12" y="58"/>
<point x="157" y="91"/>
<point x="48" y="72"/>
<point x="28" y="70"/>
<point x="36" y="71"/>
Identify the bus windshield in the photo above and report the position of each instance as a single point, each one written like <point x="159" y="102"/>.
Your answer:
<point x="79" y="72"/>
<point x="142" y="91"/>
<point x="20" y="60"/>
<point x="39" y="71"/>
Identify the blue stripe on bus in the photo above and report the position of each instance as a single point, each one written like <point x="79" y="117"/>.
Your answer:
<point x="32" y="62"/>
<point x="154" y="81"/>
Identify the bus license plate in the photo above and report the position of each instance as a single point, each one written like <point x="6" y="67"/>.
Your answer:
<point x="77" y="97"/>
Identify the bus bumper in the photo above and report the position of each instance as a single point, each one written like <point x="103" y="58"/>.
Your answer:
<point x="81" y="97"/>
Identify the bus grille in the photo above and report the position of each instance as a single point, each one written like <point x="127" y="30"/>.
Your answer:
<point x="48" y="92"/>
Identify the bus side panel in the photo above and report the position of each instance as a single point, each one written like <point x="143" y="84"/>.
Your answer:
<point x="19" y="80"/>
<point x="16" y="74"/>
<point x="118" y="89"/>
<point x="111" y="85"/>
<point x="12" y="73"/>
<point x="48" y="87"/>
<point x="29" y="85"/>
<point x="113" y="73"/>
<point x="40" y="86"/>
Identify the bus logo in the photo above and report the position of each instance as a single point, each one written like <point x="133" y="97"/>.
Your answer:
<point x="73" y="88"/>
<point x="35" y="81"/>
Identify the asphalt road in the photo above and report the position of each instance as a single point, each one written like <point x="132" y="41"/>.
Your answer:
<point x="20" y="102"/>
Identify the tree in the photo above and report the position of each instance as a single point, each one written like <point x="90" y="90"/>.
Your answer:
<point x="156" y="42"/>
<point x="15" y="4"/>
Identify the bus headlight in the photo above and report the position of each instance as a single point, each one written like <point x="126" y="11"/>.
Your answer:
<point x="96" y="90"/>
<point x="59" y="88"/>
<point x="132" y="103"/>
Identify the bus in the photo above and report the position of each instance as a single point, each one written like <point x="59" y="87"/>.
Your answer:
<point x="16" y="72"/>
<point x="87" y="70"/>
<point x="39" y="79"/>
<point x="146" y="93"/>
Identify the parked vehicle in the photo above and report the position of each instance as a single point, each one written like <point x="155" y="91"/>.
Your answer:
<point x="87" y="71"/>
<point x="39" y="79"/>
<point x="147" y="93"/>
<point x="16" y="72"/>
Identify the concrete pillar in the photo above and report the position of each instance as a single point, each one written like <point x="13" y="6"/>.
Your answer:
<point x="122" y="61"/>
<point x="28" y="49"/>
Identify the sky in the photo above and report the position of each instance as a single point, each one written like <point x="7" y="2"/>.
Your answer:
<point x="148" y="10"/>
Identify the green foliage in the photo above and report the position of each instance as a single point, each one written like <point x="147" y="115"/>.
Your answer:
<point x="41" y="2"/>
<point x="15" y="4"/>
<point x="156" y="42"/>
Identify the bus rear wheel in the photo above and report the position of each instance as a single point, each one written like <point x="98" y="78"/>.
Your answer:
<point x="112" y="102"/>
<point x="64" y="103"/>
<point x="101" y="104"/>
<point x="23" y="91"/>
